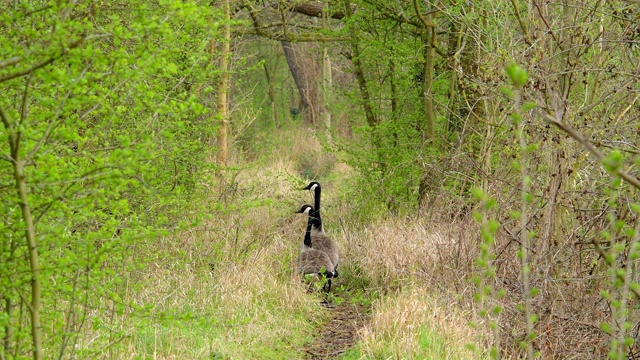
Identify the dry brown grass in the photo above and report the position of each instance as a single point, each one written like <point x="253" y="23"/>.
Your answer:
<point x="416" y="323"/>
<point x="393" y="250"/>
<point x="425" y="306"/>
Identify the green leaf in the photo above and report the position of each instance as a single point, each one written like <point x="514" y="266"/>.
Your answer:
<point x="528" y="106"/>
<point x="517" y="75"/>
<point x="506" y="91"/>
<point x="534" y="291"/>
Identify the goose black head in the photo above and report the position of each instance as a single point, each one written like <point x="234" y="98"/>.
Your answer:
<point x="312" y="185"/>
<point x="305" y="209"/>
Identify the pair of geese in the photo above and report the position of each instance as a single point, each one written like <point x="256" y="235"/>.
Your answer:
<point x="319" y="254"/>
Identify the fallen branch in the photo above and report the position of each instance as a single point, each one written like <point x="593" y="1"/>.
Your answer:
<point x="317" y="9"/>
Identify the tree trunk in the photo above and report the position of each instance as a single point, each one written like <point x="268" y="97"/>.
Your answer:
<point x="428" y="133"/>
<point x="359" y="73"/>
<point x="34" y="258"/>
<point x="393" y="89"/>
<point x="470" y="66"/>
<point x="327" y="83"/>
<point x="30" y="233"/>
<point x="552" y="193"/>
<point x="427" y="130"/>
<point x="8" y="330"/>
<point x="455" y="40"/>
<point x="305" y="74"/>
<point x="271" y="90"/>
<point x="223" y="90"/>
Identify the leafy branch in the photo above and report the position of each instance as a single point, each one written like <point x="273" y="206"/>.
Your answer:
<point x="64" y="52"/>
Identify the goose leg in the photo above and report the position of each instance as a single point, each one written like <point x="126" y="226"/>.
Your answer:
<point x="327" y="286"/>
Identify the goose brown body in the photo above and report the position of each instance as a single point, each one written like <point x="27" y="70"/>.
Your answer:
<point x="319" y="239"/>
<point x="323" y="242"/>
<point x="312" y="260"/>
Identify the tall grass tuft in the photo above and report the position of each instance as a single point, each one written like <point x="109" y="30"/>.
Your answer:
<point x="416" y="323"/>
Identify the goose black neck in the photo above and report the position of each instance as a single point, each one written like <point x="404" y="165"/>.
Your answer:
<point x="307" y="234"/>
<point x="316" y="208"/>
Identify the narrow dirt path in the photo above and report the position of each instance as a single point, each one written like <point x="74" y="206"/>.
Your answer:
<point x="340" y="333"/>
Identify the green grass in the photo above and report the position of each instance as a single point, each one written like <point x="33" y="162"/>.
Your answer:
<point x="431" y="346"/>
<point x="413" y="323"/>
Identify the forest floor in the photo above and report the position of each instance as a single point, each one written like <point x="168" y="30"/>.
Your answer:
<point x="340" y="333"/>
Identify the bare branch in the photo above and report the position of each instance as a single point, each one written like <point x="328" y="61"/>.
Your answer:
<point x="106" y="96"/>
<point x="260" y="29"/>
<point x="254" y="16"/>
<point x="285" y="30"/>
<point x="30" y="70"/>
<point x="620" y="276"/>
<point x="317" y="38"/>
<point x="293" y="38"/>
<point x="527" y="37"/>
<point x="553" y="35"/>
<point x="83" y="177"/>
<point x="421" y="17"/>
<point x="633" y="181"/>
<point x="604" y="97"/>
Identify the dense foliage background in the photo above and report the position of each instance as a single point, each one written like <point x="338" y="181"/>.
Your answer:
<point x="478" y="161"/>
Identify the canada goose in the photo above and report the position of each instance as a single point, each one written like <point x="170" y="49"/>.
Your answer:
<point x="319" y="239"/>
<point x="310" y="260"/>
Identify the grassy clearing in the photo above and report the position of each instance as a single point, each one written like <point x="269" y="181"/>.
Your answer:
<point x="226" y="290"/>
